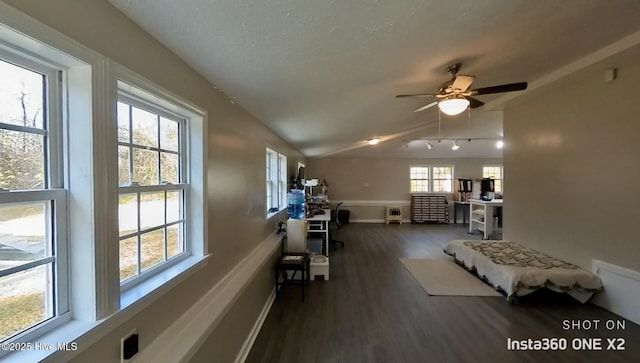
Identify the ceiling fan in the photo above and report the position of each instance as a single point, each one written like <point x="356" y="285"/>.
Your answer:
<point x="454" y="96"/>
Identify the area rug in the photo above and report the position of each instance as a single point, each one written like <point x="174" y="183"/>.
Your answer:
<point x="445" y="277"/>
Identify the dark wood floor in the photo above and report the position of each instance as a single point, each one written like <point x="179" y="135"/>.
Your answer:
<point x="372" y="310"/>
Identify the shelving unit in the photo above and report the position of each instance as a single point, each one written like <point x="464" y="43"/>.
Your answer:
<point x="429" y="208"/>
<point x="481" y="215"/>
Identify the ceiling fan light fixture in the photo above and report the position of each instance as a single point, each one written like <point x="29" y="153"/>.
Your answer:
<point x="373" y="141"/>
<point x="454" y="105"/>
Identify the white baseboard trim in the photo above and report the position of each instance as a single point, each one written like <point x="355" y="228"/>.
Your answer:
<point x="248" y="344"/>
<point x="196" y="324"/>
<point x="621" y="293"/>
<point x="375" y="203"/>
<point x="377" y="220"/>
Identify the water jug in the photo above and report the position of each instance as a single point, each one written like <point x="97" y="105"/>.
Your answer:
<point x="295" y="204"/>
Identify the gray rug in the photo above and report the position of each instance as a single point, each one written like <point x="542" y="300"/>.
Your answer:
<point x="445" y="277"/>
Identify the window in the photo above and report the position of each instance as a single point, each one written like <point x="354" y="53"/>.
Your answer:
<point x="33" y="201"/>
<point x="443" y="179"/>
<point x="276" y="182"/>
<point x="59" y="187"/>
<point x="152" y="186"/>
<point x="438" y="179"/>
<point x="419" y="176"/>
<point x="495" y="173"/>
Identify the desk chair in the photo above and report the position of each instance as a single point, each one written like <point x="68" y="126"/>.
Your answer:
<point x="338" y="224"/>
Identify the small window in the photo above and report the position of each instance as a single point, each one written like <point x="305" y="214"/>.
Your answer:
<point x="419" y="178"/>
<point x="495" y="173"/>
<point x="442" y="179"/>
<point x="276" y="181"/>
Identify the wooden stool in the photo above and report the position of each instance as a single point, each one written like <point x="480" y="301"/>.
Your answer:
<point x="293" y="262"/>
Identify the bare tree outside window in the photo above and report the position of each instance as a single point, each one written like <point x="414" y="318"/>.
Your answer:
<point x="26" y="254"/>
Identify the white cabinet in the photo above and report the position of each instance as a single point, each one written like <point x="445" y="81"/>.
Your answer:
<point x="481" y="215"/>
<point x="296" y="235"/>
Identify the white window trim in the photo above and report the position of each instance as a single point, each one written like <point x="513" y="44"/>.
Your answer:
<point x="143" y="103"/>
<point x="430" y="183"/>
<point x="428" y="179"/>
<point x="450" y="181"/>
<point x="501" y="175"/>
<point x="279" y="183"/>
<point x="54" y="192"/>
<point x="135" y="86"/>
<point x="98" y="307"/>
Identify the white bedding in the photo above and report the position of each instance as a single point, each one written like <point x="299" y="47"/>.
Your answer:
<point x="519" y="271"/>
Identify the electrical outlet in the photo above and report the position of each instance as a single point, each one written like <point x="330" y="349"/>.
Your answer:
<point x="129" y="346"/>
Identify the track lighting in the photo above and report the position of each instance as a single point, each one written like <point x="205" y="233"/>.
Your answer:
<point x="429" y="146"/>
<point x="455" y="145"/>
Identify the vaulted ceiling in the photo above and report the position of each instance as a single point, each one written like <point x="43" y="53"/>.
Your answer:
<point x="323" y="74"/>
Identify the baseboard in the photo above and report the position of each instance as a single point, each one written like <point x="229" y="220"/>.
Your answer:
<point x="374" y="220"/>
<point x="182" y="339"/>
<point x="375" y="203"/>
<point x="248" y="344"/>
<point x="621" y="293"/>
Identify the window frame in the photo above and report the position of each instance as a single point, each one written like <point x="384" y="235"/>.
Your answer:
<point x="498" y="182"/>
<point x="430" y="179"/>
<point x="89" y="93"/>
<point x="144" y="103"/>
<point x="448" y="181"/>
<point x="53" y="193"/>
<point x="422" y="173"/>
<point x="276" y="182"/>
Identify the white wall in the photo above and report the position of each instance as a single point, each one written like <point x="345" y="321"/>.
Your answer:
<point x="572" y="159"/>
<point x="373" y="179"/>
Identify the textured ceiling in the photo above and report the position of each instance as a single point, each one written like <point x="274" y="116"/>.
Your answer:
<point x="323" y="74"/>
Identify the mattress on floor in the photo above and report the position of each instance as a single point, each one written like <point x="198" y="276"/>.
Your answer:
<point x="517" y="270"/>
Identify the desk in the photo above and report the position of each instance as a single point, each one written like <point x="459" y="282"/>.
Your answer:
<point x="481" y="215"/>
<point x="320" y="224"/>
<point x="464" y="206"/>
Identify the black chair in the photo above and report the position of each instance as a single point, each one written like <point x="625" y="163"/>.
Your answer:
<point x="336" y="220"/>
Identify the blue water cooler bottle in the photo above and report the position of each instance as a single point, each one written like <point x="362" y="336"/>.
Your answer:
<point x="295" y="204"/>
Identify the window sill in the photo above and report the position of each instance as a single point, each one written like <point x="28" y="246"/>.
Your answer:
<point x="85" y="334"/>
<point x="273" y="214"/>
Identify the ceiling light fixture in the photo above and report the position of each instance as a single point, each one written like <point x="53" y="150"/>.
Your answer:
<point x="373" y="141"/>
<point x="455" y="145"/>
<point x="499" y="144"/>
<point x="453" y="105"/>
<point x="429" y="146"/>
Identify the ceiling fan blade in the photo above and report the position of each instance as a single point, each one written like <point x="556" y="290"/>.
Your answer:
<point x="499" y="89"/>
<point x="462" y="83"/>
<point x="417" y="95"/>
<point x="474" y="103"/>
<point x="426" y="106"/>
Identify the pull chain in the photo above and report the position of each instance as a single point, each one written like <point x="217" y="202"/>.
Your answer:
<point x="439" y="125"/>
